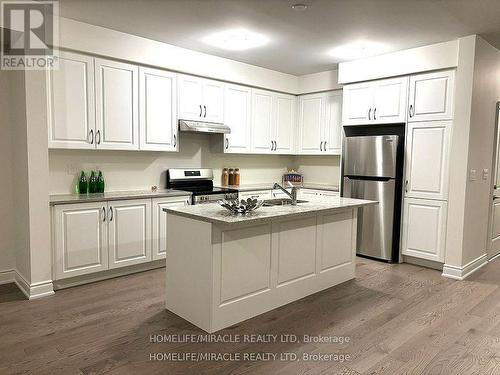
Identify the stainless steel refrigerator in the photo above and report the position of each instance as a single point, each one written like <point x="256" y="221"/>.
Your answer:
<point x="372" y="169"/>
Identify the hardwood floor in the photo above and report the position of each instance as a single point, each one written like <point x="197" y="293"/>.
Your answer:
<point x="400" y="319"/>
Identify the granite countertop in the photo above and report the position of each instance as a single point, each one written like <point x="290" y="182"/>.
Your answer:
<point x="214" y="213"/>
<point x="269" y="186"/>
<point x="116" y="195"/>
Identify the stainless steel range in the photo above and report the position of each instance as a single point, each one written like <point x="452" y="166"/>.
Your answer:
<point x="198" y="181"/>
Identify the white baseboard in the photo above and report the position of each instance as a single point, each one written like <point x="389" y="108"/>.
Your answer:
<point x="460" y="273"/>
<point x="7" y="277"/>
<point x="31" y="291"/>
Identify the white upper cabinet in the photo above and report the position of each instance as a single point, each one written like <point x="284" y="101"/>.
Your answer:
<point x="358" y="103"/>
<point x="390" y="97"/>
<point x="424" y="229"/>
<point x="129" y="226"/>
<point x="200" y="99"/>
<point x="284" y="129"/>
<point x="311" y="123"/>
<point x="262" y="121"/>
<point x="319" y="125"/>
<point x="71" y="106"/>
<point x="238" y="116"/>
<point x="333" y="127"/>
<point x="117" y="105"/>
<point x="428" y="148"/>
<point x="158" y="110"/>
<point x="431" y="96"/>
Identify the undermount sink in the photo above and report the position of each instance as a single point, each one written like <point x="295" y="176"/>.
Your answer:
<point x="280" y="202"/>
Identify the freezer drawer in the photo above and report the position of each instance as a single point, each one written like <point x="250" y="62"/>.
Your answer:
<point x="375" y="223"/>
<point x="370" y="156"/>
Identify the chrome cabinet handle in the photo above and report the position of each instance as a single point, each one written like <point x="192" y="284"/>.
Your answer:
<point x="370" y="114"/>
<point x="175" y="140"/>
<point x="205" y="107"/>
<point x="111" y="215"/>
<point x="375" y="113"/>
<point x="275" y="146"/>
<point x="104" y="214"/>
<point x="411" y="111"/>
<point x="98" y="140"/>
<point x="201" y="111"/>
<point x="321" y="146"/>
<point x="272" y="146"/>
<point x="227" y="143"/>
<point x="324" y="146"/>
<point x="91" y="134"/>
<point x="406" y="186"/>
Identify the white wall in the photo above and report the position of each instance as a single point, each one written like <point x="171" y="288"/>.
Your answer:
<point x="485" y="94"/>
<point x="129" y="170"/>
<point x="7" y="238"/>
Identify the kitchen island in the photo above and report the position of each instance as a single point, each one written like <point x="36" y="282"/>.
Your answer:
<point x="222" y="269"/>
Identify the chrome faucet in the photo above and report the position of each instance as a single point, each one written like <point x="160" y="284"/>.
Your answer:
<point x="292" y="194"/>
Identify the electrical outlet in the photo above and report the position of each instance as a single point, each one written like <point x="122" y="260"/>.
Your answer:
<point x="485" y="174"/>
<point x="472" y="175"/>
<point x="72" y="169"/>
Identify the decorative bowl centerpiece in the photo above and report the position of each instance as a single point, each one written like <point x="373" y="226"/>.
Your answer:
<point x="240" y="207"/>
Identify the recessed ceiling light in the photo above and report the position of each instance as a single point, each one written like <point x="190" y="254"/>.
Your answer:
<point x="236" y="39"/>
<point x="358" y="50"/>
<point x="299" y="7"/>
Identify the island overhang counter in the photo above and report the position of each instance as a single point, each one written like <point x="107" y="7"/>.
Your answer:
<point x="222" y="269"/>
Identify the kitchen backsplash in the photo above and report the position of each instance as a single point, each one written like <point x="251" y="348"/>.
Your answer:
<point x="135" y="170"/>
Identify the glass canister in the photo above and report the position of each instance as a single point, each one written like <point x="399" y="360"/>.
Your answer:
<point x="231" y="176"/>
<point x="237" y="177"/>
<point x="225" y="177"/>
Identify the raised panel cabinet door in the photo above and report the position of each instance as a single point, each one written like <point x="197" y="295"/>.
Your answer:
<point x="80" y="239"/>
<point x="424" y="229"/>
<point x="427" y="164"/>
<point x="213" y="101"/>
<point x="333" y="125"/>
<point x="129" y="223"/>
<point x="158" y="110"/>
<point x="262" y="121"/>
<point x="284" y="134"/>
<point x="238" y="116"/>
<point x="190" y="98"/>
<point x="159" y="233"/>
<point x="71" y="105"/>
<point x="431" y="96"/>
<point x="357" y="104"/>
<point x="310" y="124"/>
<point x="390" y="101"/>
<point x="117" y="105"/>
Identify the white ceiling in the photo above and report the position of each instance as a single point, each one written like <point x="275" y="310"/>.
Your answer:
<point x="299" y="41"/>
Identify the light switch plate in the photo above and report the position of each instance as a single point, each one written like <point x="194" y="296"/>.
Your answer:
<point x="472" y="175"/>
<point x="72" y="169"/>
<point x="485" y="174"/>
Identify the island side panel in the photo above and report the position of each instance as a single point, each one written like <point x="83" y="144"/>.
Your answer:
<point x="189" y="270"/>
<point x="305" y="255"/>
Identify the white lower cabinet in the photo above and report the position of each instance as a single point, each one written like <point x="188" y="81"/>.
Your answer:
<point x="313" y="193"/>
<point x="257" y="194"/>
<point x="424" y="228"/>
<point x="159" y="232"/>
<point x="129" y="229"/>
<point x="80" y="239"/>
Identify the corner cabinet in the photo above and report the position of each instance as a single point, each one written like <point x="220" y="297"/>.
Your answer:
<point x="200" y="99"/>
<point x="158" y="110"/>
<point x="424" y="229"/>
<point x="375" y="102"/>
<point x="319" y="124"/>
<point x="159" y="232"/>
<point x="71" y="102"/>
<point x="117" y="105"/>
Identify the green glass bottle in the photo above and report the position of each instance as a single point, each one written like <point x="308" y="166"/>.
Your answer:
<point x="83" y="184"/>
<point x="100" y="183"/>
<point x="93" y="183"/>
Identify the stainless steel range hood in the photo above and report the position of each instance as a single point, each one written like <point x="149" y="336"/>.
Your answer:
<point x="203" y="127"/>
